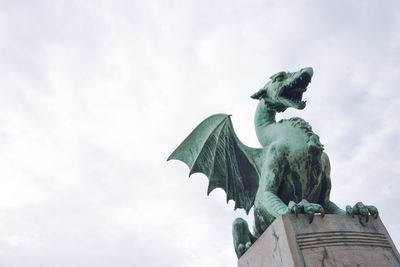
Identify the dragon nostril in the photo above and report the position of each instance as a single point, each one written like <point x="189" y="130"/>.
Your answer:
<point x="308" y="70"/>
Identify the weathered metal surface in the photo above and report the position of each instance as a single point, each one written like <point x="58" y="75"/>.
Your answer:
<point x="289" y="174"/>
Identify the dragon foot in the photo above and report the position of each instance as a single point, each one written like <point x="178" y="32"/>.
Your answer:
<point x="306" y="207"/>
<point x="242" y="238"/>
<point x="244" y="247"/>
<point x="362" y="210"/>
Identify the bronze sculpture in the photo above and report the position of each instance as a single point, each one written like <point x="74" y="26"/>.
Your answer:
<point x="289" y="174"/>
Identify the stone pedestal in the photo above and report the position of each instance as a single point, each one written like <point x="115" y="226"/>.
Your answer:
<point x="335" y="240"/>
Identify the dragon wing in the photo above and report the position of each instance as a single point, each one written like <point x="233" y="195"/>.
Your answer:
<point x="213" y="148"/>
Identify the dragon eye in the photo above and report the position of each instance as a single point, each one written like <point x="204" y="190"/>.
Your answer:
<point x="279" y="77"/>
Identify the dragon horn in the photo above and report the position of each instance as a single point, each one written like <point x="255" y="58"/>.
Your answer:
<point x="260" y="94"/>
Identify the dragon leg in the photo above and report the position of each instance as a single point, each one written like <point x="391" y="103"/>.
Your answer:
<point x="242" y="237"/>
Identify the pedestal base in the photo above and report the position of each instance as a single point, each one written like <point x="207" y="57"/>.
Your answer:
<point x="335" y="240"/>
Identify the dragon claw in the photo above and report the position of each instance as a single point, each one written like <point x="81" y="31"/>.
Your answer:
<point x="322" y="213"/>
<point x="311" y="217"/>
<point x="307" y="208"/>
<point x="362" y="210"/>
<point x="376" y="215"/>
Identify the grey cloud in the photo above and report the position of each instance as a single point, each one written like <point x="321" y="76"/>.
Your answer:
<point x="95" y="95"/>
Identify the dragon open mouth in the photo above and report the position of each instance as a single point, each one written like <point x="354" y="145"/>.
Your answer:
<point x="293" y="92"/>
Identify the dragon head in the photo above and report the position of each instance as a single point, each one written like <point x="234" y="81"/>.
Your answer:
<point x="285" y="90"/>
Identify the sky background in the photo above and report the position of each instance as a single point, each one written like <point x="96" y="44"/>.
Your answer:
<point x="95" y="95"/>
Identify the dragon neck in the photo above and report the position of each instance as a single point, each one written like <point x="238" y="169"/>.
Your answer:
<point x="264" y="117"/>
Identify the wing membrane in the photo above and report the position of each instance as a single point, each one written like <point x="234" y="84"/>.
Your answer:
<point x="214" y="150"/>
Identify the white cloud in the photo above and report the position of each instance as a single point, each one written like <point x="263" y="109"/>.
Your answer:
<point x="95" y="95"/>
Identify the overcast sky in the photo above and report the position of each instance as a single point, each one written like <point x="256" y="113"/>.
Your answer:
<point x="95" y="95"/>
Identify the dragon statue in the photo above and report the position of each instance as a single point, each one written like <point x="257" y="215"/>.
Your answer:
<point x="289" y="174"/>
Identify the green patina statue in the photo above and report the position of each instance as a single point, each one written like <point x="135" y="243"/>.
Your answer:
<point x="289" y="174"/>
